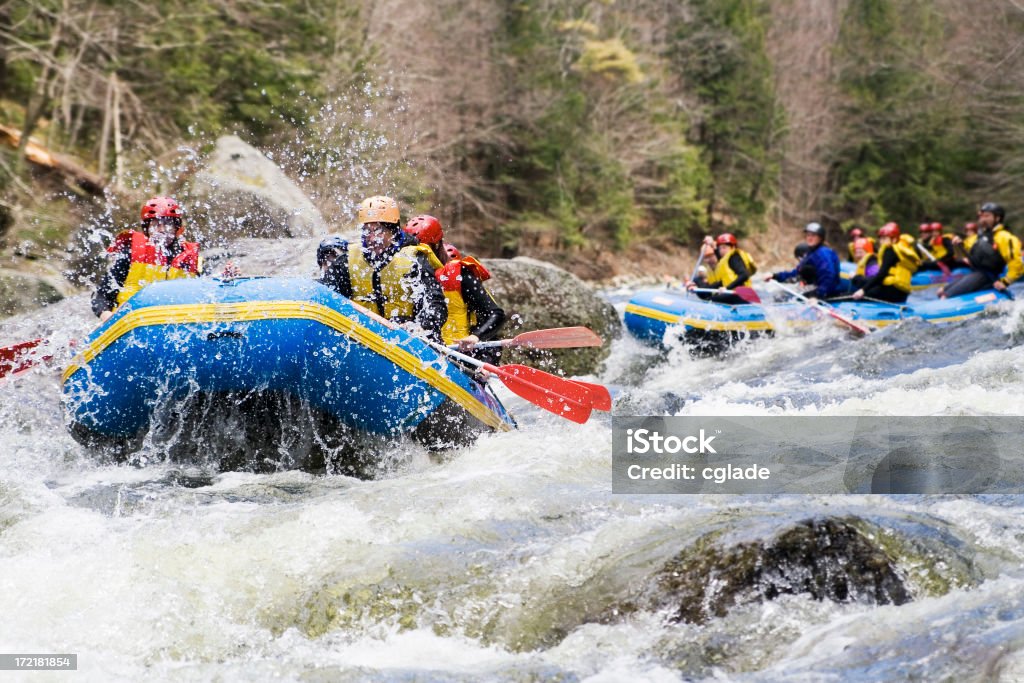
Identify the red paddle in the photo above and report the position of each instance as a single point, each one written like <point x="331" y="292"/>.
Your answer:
<point x="564" y="397"/>
<point x="18" y="357"/>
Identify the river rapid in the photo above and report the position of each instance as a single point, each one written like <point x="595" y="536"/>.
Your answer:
<point x="507" y="560"/>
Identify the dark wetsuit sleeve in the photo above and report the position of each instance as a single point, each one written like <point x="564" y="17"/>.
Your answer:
<point x="105" y="297"/>
<point x="337" y="277"/>
<point x="787" y="275"/>
<point x="740" y="268"/>
<point x="489" y="315"/>
<point x="430" y="308"/>
<point x="888" y="262"/>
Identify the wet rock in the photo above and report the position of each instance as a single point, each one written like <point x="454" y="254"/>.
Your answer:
<point x="826" y="559"/>
<point x="241" y="193"/>
<point x="20" y="292"/>
<point x="537" y="295"/>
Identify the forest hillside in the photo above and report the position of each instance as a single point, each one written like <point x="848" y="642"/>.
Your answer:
<point x="608" y="135"/>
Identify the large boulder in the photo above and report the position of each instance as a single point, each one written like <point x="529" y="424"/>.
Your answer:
<point x="21" y="292"/>
<point x="537" y="295"/>
<point x="239" y="192"/>
<point x="826" y="559"/>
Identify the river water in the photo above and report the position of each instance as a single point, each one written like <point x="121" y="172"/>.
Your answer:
<point x="503" y="561"/>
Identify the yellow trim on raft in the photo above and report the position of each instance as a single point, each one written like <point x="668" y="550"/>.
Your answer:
<point x="273" y="310"/>
<point x="751" y="325"/>
<point x="699" y="323"/>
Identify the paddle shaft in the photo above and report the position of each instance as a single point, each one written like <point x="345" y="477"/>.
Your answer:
<point x="700" y="260"/>
<point x="746" y="293"/>
<point x="696" y="268"/>
<point x="554" y="338"/>
<point x="942" y="266"/>
<point x="822" y="307"/>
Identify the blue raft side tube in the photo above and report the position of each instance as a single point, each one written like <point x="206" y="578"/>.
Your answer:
<point x="650" y="313"/>
<point x="257" y="334"/>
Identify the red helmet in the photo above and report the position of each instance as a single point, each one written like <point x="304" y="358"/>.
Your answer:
<point x="924" y="227"/>
<point x="163" y="207"/>
<point x="971" y="227"/>
<point x="936" y="227"/>
<point x="452" y="252"/>
<point x="426" y="229"/>
<point x="727" y="238"/>
<point x="865" y="244"/>
<point x="889" y="230"/>
<point x="856" y="233"/>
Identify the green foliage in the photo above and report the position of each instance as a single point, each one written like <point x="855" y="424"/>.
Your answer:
<point x="720" y="52"/>
<point x="911" y="148"/>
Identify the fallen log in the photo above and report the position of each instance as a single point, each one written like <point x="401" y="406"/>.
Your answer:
<point x="90" y="182"/>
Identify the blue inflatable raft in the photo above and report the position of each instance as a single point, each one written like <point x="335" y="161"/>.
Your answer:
<point x="651" y="313"/>
<point x="188" y="363"/>
<point x="922" y="279"/>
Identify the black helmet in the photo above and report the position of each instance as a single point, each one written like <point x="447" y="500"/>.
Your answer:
<point x="801" y="250"/>
<point x="993" y="209"/>
<point x="815" y="229"/>
<point x="331" y="243"/>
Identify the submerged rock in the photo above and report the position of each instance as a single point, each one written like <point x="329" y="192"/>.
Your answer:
<point x="537" y="295"/>
<point x="826" y="559"/>
<point x="242" y="193"/>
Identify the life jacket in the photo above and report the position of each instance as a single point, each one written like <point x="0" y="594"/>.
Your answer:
<point x="866" y="264"/>
<point x="725" y="275"/>
<point x="461" y="320"/>
<point x="149" y="264"/>
<point x="969" y="241"/>
<point x="384" y="292"/>
<point x="906" y="265"/>
<point x="874" y="246"/>
<point x="992" y="252"/>
<point x="938" y="246"/>
<point x="1009" y="248"/>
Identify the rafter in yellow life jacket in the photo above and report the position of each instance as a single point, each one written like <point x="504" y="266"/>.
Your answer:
<point x="907" y="262"/>
<point x="385" y="291"/>
<point x="149" y="264"/>
<point x="460" y="319"/>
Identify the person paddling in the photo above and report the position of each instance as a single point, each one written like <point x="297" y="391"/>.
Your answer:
<point x="155" y="253"/>
<point x="898" y="261"/>
<point x="994" y="250"/>
<point x="940" y="246"/>
<point x="388" y="275"/>
<point x="473" y="314"/>
<point x="330" y="249"/>
<point x="867" y="262"/>
<point x="857" y="233"/>
<point x="820" y="267"/>
<point x="733" y="268"/>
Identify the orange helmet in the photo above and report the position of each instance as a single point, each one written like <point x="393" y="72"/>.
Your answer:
<point x="889" y="230"/>
<point x="379" y="209"/>
<point x="426" y="229"/>
<point x="865" y="244"/>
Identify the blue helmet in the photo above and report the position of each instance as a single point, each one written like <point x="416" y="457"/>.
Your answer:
<point x="330" y="244"/>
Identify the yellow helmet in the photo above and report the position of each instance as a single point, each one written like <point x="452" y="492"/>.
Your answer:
<point x="379" y="210"/>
